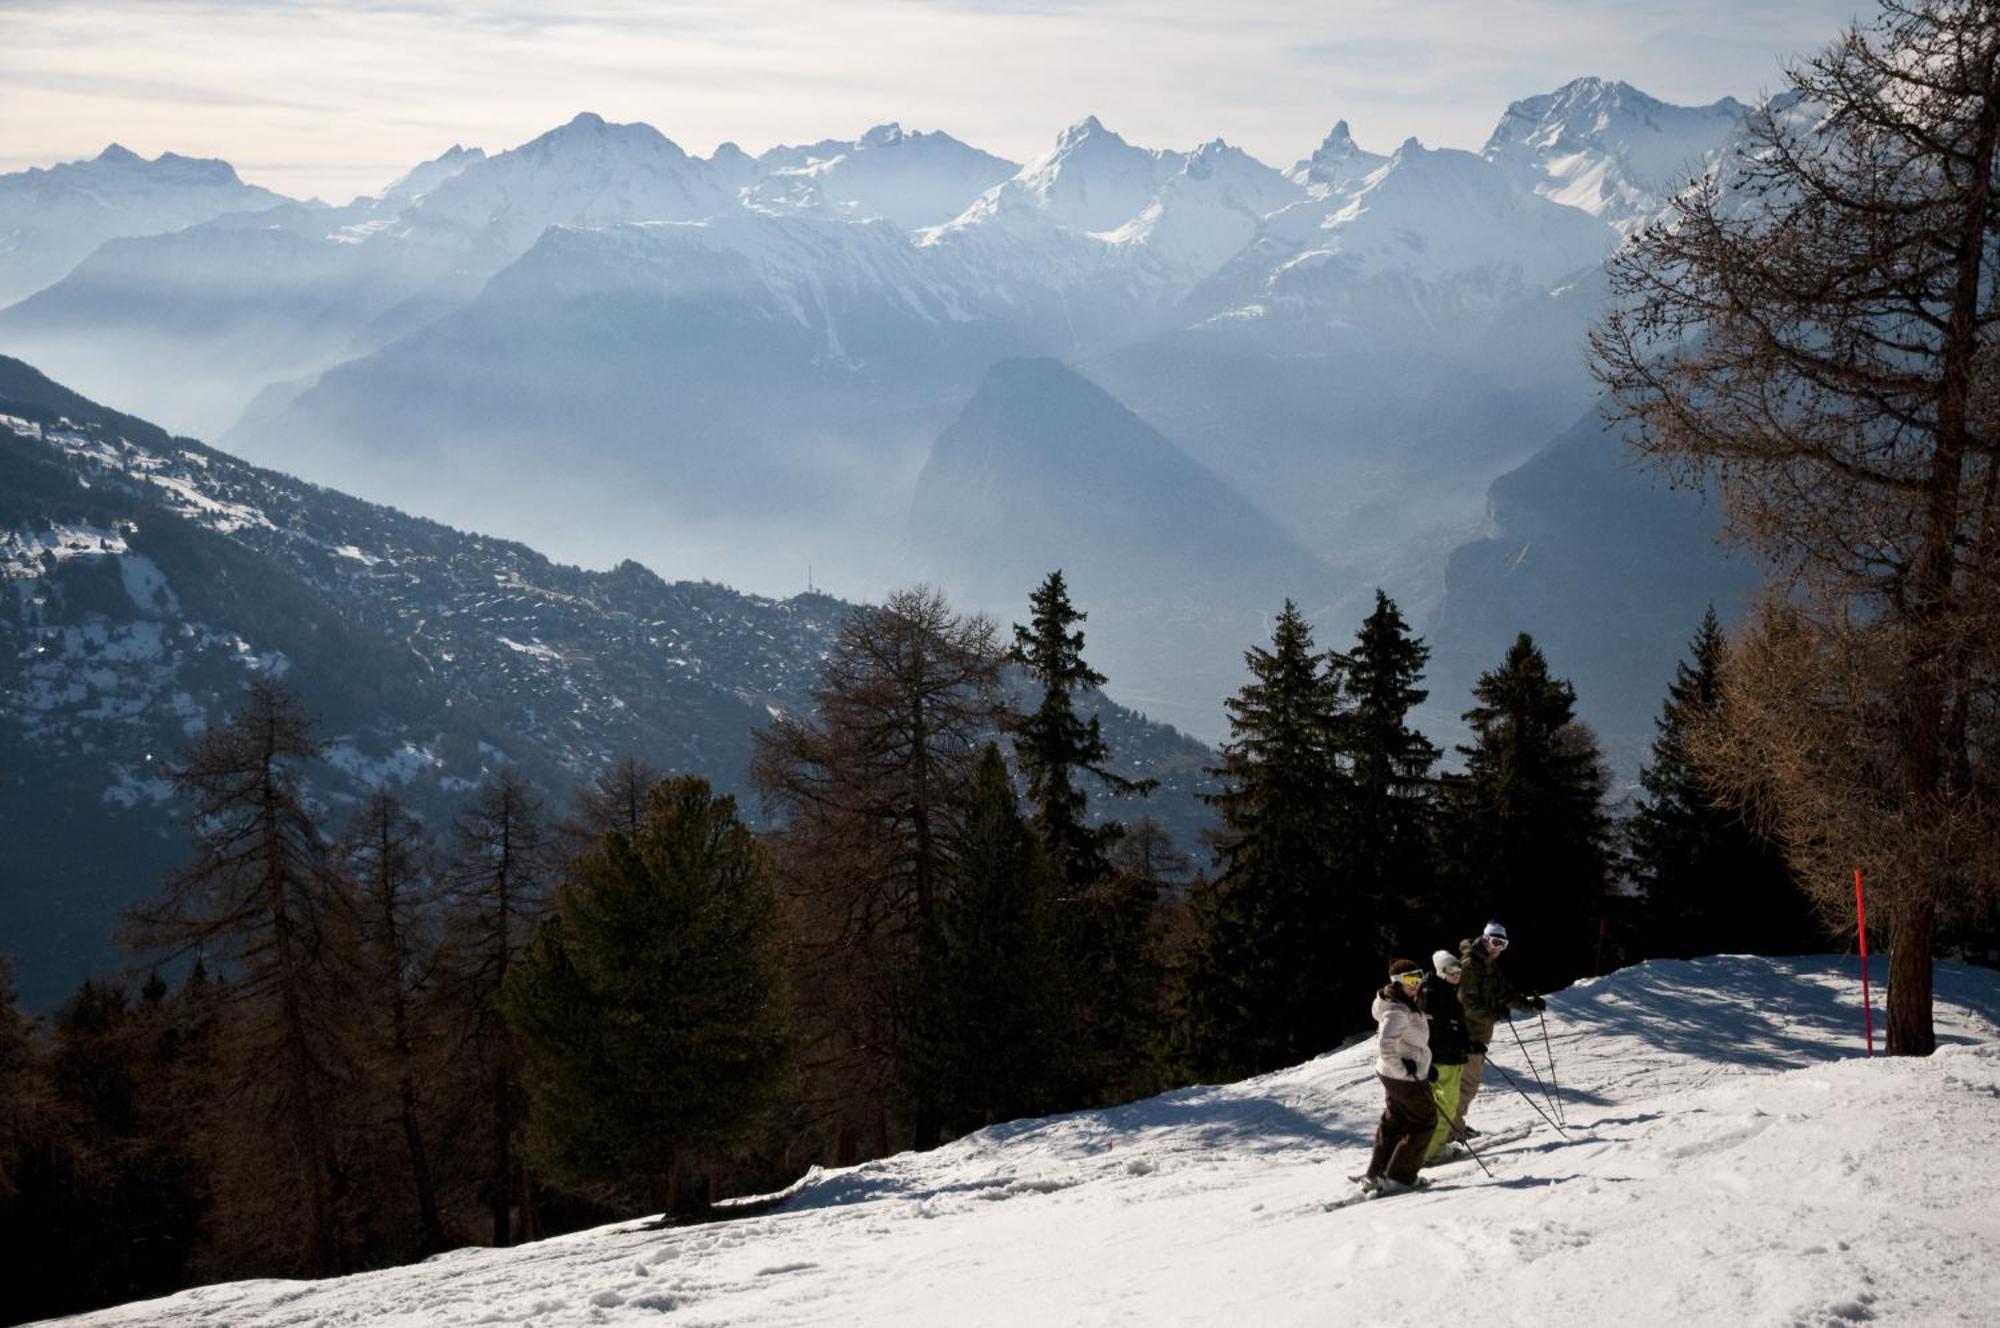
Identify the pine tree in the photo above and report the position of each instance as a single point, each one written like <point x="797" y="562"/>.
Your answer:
<point x="496" y="892"/>
<point x="991" y="1009"/>
<point x="1055" y="746"/>
<point x="1711" y="883"/>
<point x="260" y="898"/>
<point x="650" y="1001"/>
<point x="1385" y="856"/>
<point x="1100" y="925"/>
<point x="1527" y="825"/>
<point x="99" y="1198"/>
<point x="1137" y="902"/>
<point x="1264" y="994"/>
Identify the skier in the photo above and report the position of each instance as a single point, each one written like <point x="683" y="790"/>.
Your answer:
<point x="1403" y="1063"/>
<point x="1449" y="1047"/>
<point x="1487" y="995"/>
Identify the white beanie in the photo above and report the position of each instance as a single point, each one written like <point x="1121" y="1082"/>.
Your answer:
<point x="1495" y="930"/>
<point x="1444" y="963"/>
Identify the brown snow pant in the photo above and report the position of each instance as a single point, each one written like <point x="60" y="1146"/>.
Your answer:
<point x="1468" y="1089"/>
<point x="1404" y="1130"/>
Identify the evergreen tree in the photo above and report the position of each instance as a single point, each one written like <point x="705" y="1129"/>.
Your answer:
<point x="1100" y="924"/>
<point x="260" y="898"/>
<point x="99" y="1198"/>
<point x="1711" y="883"/>
<point x="1528" y="830"/>
<point x="650" y="1001"/>
<point x="990" y="1012"/>
<point x="1385" y="854"/>
<point x="1265" y="994"/>
<point x="1133" y="910"/>
<point x="1055" y="746"/>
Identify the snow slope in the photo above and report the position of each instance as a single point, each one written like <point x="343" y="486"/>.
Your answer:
<point x="1731" y="1160"/>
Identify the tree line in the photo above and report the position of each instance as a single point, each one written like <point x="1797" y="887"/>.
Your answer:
<point x="386" y="1042"/>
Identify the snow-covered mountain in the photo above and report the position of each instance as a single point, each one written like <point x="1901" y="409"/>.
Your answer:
<point x="1110" y="235"/>
<point x="913" y="179"/>
<point x="738" y="365"/>
<point x="411" y="186"/>
<point x="1609" y="149"/>
<point x="1728" y="1157"/>
<point x="52" y="218"/>
<point x="1336" y="163"/>
<point x="1447" y="230"/>
<point x="589" y="172"/>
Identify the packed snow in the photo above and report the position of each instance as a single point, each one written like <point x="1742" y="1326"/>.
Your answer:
<point x="1730" y="1157"/>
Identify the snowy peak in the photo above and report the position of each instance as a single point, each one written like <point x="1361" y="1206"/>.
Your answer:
<point x="1445" y="218"/>
<point x="1608" y="148"/>
<point x="51" y="219"/>
<point x="588" y="172"/>
<point x="1337" y="162"/>
<point x="1092" y="179"/>
<point x="914" y="179"/>
<point x="420" y="179"/>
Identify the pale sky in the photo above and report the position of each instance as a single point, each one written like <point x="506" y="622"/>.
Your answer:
<point x="338" y="99"/>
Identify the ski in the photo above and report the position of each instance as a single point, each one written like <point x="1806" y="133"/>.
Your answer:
<point x="1363" y="1196"/>
<point x="1480" y="1144"/>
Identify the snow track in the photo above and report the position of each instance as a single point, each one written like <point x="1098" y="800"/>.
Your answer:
<point x="1731" y="1160"/>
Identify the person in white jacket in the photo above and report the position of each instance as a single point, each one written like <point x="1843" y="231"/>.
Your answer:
<point x="1403" y="1063"/>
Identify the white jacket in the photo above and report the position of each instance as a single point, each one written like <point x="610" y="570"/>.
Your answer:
<point x="1406" y="1034"/>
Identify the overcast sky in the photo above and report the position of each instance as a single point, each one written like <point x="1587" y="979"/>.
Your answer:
<point x="337" y="99"/>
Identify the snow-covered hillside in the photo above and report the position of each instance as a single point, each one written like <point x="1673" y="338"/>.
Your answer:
<point x="1730" y="1160"/>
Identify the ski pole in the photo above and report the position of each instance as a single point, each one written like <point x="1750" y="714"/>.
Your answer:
<point x="1548" y="1049"/>
<point x="1546" y="1095"/>
<point x="1465" y="1142"/>
<point x="1515" y="1084"/>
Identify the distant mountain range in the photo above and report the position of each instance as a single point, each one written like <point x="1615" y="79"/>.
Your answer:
<point x="760" y="369"/>
<point x="149" y="576"/>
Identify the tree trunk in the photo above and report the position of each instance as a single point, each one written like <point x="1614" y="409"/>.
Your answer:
<point x="501" y="1194"/>
<point x="420" y="1169"/>
<point x="1910" y="1031"/>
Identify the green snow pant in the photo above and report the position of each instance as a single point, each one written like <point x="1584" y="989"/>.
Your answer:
<point x="1445" y="1093"/>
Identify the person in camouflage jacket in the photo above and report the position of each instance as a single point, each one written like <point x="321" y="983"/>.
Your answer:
<point x="1487" y="994"/>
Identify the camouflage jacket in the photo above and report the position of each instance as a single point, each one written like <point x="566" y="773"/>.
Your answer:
<point x="1486" y="993"/>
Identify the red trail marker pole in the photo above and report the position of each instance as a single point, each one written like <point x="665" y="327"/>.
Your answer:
<point x="1861" y="921"/>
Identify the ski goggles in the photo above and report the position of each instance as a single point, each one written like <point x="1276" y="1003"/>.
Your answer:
<point x="1410" y="979"/>
<point x="1496" y="943"/>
